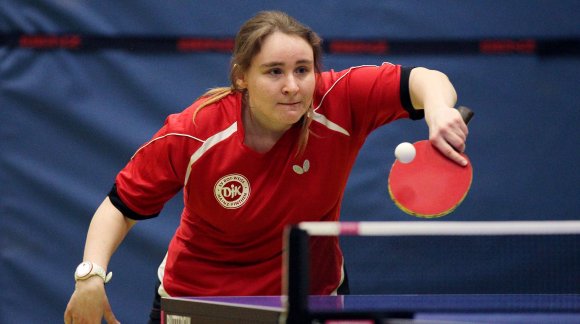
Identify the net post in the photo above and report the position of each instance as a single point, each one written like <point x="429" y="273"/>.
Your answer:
<point x="297" y="274"/>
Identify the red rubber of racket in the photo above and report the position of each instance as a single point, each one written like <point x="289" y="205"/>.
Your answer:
<point x="431" y="185"/>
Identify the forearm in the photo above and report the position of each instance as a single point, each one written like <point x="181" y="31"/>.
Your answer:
<point x="107" y="230"/>
<point x="89" y="303"/>
<point x="431" y="90"/>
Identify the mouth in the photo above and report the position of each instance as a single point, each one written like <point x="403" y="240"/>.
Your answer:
<point x="291" y="104"/>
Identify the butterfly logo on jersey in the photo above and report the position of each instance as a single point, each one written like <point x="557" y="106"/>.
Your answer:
<point x="232" y="191"/>
<point x="302" y="169"/>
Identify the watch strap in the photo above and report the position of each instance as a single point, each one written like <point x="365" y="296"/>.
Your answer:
<point x="96" y="270"/>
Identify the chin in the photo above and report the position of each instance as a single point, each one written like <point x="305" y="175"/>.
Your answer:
<point x="294" y="118"/>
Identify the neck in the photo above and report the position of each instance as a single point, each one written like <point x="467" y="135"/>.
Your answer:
<point x="258" y="136"/>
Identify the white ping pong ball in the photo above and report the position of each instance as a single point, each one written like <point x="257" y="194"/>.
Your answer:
<point x="405" y="152"/>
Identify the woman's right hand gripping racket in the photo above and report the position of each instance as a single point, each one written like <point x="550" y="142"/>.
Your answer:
<point x="430" y="185"/>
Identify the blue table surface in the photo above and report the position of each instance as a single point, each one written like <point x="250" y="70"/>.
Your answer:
<point x="488" y="303"/>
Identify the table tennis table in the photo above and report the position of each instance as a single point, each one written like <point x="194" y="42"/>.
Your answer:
<point x="361" y="309"/>
<point x="297" y="306"/>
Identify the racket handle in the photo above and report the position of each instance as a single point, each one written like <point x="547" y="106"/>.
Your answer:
<point x="465" y="113"/>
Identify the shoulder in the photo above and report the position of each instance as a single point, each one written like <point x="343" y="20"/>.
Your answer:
<point x="192" y="127"/>
<point x="355" y="78"/>
<point x="328" y="79"/>
<point x="208" y="120"/>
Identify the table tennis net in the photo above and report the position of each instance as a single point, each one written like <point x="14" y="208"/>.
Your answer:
<point x="503" y="258"/>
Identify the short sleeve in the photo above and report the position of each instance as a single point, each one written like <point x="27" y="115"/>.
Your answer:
<point x="373" y="96"/>
<point x="154" y="174"/>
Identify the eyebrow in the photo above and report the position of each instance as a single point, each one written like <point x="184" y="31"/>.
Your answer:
<point x="275" y="64"/>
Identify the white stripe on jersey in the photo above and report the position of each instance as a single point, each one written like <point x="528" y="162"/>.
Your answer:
<point x="332" y="126"/>
<point x="337" y="81"/>
<point x="209" y="143"/>
<point x="160" y="137"/>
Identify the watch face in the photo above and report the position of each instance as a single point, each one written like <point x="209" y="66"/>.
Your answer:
<point x="84" y="269"/>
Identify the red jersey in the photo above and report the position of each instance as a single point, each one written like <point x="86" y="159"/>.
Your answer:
<point x="237" y="202"/>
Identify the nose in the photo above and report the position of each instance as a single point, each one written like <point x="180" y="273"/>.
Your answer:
<point x="290" y="85"/>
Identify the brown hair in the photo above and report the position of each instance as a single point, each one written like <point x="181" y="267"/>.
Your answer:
<point x="248" y="44"/>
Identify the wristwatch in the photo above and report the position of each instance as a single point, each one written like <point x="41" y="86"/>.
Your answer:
<point x="88" y="269"/>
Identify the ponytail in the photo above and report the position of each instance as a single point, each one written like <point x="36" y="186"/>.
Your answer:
<point x="213" y="95"/>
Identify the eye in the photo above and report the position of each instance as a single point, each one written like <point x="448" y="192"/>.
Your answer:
<point x="275" y="71"/>
<point x="302" y="70"/>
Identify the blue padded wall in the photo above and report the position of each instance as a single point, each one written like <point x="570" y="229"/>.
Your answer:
<point x="69" y="120"/>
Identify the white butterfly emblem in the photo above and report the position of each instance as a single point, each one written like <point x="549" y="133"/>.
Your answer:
<point x="301" y="169"/>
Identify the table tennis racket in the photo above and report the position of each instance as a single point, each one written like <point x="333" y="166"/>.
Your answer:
<point x="431" y="185"/>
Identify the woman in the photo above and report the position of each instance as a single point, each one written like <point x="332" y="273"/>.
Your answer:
<point x="274" y="148"/>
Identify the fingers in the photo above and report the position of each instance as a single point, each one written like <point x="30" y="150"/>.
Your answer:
<point x="67" y="317"/>
<point x="456" y="140"/>
<point x="448" y="133"/>
<point x="89" y="306"/>
<point x="450" y="152"/>
<point x="109" y="316"/>
<point x="451" y="143"/>
<point x="68" y="313"/>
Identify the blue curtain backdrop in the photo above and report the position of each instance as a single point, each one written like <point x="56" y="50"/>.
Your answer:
<point x="69" y="120"/>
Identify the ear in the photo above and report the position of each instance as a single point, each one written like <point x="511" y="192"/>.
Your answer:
<point x="241" y="82"/>
<point x="239" y="77"/>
